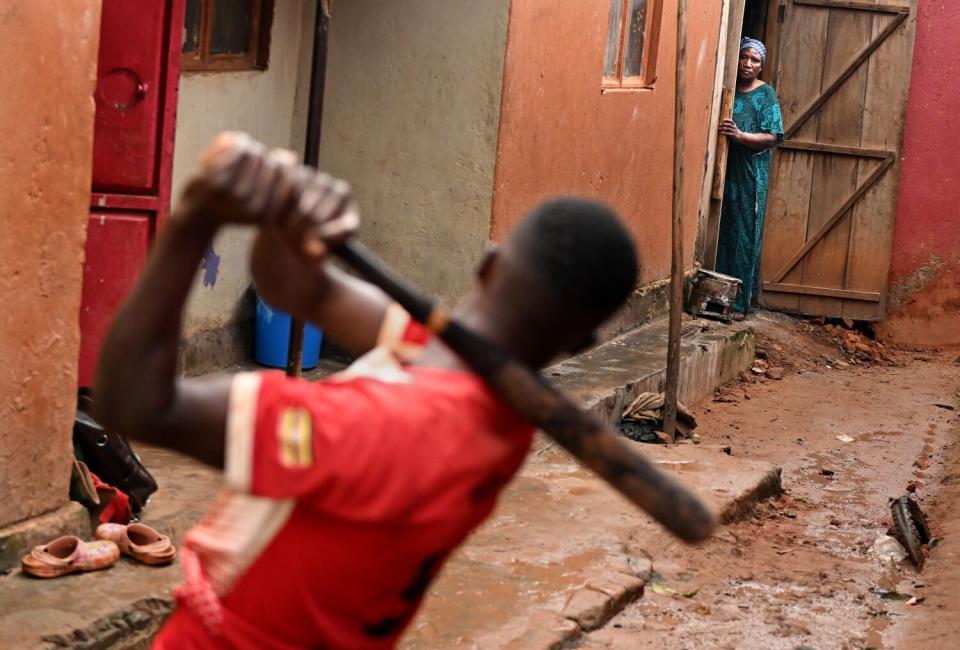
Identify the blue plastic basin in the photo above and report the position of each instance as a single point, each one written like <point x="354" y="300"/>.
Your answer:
<point x="272" y="338"/>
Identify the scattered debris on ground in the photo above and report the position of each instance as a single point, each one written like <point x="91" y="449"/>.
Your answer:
<point x="855" y="340"/>
<point x="786" y="345"/>
<point x="910" y="528"/>
<point x="888" y="549"/>
<point x="642" y="420"/>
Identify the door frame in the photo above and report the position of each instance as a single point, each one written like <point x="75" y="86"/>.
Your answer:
<point x="725" y="75"/>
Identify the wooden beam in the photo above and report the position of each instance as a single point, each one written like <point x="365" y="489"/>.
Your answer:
<point x="847" y="72"/>
<point x="847" y="294"/>
<point x="838" y="149"/>
<point x="858" y="5"/>
<point x="731" y="60"/>
<point x="705" y="232"/>
<point x="832" y="221"/>
<point x="723" y="145"/>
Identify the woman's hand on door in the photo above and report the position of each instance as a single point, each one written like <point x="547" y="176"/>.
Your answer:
<point x="730" y="129"/>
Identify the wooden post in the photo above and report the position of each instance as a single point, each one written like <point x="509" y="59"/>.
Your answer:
<point x="723" y="146"/>
<point x="311" y="155"/>
<point x="731" y="61"/>
<point x="704" y="234"/>
<point x="676" y="259"/>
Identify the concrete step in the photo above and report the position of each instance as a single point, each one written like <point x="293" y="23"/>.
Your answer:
<point x="607" y="378"/>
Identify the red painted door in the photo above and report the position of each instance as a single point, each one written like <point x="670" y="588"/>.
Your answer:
<point x="129" y="96"/>
<point x="136" y="99"/>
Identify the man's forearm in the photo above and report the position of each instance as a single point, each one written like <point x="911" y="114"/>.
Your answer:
<point x="138" y="364"/>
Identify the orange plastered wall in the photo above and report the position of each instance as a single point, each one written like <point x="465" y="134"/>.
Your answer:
<point x="50" y="59"/>
<point x="559" y="134"/>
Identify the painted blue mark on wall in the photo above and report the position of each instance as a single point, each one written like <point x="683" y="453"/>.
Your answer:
<point x="210" y="265"/>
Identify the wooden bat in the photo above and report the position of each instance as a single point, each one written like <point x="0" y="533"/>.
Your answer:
<point x="527" y="392"/>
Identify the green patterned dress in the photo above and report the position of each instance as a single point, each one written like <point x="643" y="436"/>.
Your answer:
<point x="745" y="193"/>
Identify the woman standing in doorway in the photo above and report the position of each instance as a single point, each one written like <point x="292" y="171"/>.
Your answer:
<point x="756" y="127"/>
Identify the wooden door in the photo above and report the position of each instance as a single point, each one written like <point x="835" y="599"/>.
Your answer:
<point x="843" y="77"/>
<point x="136" y="101"/>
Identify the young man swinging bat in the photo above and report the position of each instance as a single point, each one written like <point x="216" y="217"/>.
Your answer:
<point x="342" y="498"/>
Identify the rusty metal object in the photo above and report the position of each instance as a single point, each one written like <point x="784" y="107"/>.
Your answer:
<point x="528" y="393"/>
<point x="910" y="527"/>
<point x="713" y="294"/>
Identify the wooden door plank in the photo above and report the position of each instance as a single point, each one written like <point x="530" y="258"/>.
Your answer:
<point x="825" y="228"/>
<point x="860" y="152"/>
<point x="786" y="220"/>
<point x="873" y="217"/>
<point x="865" y="296"/>
<point x="835" y="177"/>
<point x="841" y="76"/>
<point x="802" y="42"/>
<point x="862" y="5"/>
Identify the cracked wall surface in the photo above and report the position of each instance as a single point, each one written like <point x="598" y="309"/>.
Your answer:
<point x="45" y="162"/>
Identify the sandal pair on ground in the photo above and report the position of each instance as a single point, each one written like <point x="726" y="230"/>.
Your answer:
<point x="70" y="554"/>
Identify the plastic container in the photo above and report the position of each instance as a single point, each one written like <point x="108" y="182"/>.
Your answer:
<point x="272" y="338"/>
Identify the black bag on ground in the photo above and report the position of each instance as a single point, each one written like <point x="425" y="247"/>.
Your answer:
<point x="110" y="456"/>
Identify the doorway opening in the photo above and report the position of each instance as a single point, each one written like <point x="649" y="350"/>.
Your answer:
<point x="760" y="20"/>
<point x="755" y="19"/>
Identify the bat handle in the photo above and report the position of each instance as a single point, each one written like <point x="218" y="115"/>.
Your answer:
<point x="367" y="264"/>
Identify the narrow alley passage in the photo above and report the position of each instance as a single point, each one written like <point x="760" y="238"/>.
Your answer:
<point x="804" y="573"/>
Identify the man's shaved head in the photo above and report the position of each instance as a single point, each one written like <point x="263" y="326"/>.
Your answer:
<point x="565" y="269"/>
<point x="582" y="252"/>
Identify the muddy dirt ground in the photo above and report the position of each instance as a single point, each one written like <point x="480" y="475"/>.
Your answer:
<point x="802" y="573"/>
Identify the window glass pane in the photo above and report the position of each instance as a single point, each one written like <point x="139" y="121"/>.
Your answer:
<point x="613" y="39"/>
<point x="230" y="33"/>
<point x="191" y="27"/>
<point x="633" y="65"/>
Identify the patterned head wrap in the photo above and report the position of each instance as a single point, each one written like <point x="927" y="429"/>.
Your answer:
<point x="754" y="44"/>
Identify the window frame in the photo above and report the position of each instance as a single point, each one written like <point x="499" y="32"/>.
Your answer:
<point x="648" y="61"/>
<point x="261" y="24"/>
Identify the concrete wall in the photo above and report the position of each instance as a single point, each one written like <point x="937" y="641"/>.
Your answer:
<point x="924" y="300"/>
<point x="271" y="106"/>
<point x="560" y="134"/>
<point x="410" y="119"/>
<point x="50" y="61"/>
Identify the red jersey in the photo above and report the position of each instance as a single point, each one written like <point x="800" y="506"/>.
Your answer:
<point x="342" y="500"/>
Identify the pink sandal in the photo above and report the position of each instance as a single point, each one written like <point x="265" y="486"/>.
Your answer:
<point x="139" y="541"/>
<point x="69" y="554"/>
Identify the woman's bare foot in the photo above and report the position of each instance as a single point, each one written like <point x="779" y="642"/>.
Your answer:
<point x="739" y="316"/>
